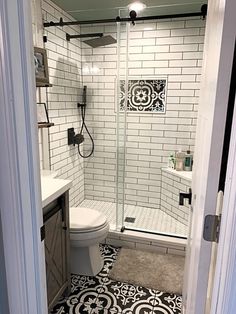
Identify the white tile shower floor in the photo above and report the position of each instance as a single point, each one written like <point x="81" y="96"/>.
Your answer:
<point x="146" y="218"/>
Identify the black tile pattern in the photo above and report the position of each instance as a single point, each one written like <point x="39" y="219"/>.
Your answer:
<point x="144" y="95"/>
<point x="101" y="295"/>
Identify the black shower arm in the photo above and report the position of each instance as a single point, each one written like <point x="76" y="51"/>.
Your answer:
<point x="69" y="37"/>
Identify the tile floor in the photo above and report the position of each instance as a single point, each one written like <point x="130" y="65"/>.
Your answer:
<point x="146" y="218"/>
<point x="101" y="295"/>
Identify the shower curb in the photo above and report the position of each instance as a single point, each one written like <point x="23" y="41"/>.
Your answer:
<point x="148" y="242"/>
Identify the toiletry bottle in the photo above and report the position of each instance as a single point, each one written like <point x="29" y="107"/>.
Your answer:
<point x="171" y="161"/>
<point x="188" y="161"/>
<point x="179" y="160"/>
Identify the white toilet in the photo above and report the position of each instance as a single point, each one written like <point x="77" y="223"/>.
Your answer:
<point x="88" y="228"/>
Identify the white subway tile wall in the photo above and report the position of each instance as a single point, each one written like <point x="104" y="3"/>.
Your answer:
<point x="64" y="61"/>
<point x="171" y="186"/>
<point x="172" y="50"/>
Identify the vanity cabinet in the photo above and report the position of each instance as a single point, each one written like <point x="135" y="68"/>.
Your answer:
<point x="56" y="230"/>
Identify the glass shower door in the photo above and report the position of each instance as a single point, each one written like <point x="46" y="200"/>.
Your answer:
<point x="121" y="116"/>
<point x="147" y="192"/>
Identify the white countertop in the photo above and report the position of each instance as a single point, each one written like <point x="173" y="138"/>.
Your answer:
<point x="187" y="175"/>
<point x="52" y="188"/>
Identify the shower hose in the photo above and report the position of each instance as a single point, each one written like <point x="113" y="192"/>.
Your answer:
<point x="83" y="110"/>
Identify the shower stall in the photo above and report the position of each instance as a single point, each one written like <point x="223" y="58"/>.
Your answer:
<point x="142" y="99"/>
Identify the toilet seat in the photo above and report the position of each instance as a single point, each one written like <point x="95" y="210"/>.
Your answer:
<point x="88" y="228"/>
<point x="86" y="238"/>
<point x="86" y="220"/>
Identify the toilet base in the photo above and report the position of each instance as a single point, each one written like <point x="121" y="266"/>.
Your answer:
<point x="86" y="260"/>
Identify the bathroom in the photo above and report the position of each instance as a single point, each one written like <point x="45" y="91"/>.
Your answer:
<point x="128" y="176"/>
<point x="117" y="124"/>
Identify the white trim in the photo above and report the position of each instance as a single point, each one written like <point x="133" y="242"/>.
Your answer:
<point x="20" y="195"/>
<point x="217" y="65"/>
<point x="223" y="300"/>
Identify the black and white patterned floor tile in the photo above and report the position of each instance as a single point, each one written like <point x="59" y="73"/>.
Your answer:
<point x="101" y="295"/>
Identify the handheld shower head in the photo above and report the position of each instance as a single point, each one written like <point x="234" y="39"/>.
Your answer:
<point x="85" y="94"/>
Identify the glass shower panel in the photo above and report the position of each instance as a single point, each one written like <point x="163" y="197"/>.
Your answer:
<point x="150" y="189"/>
<point x="121" y="116"/>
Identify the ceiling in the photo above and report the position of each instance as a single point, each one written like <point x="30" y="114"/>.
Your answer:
<point x="103" y="9"/>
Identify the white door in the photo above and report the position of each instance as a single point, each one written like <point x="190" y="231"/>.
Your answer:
<point x="223" y="298"/>
<point x="20" y="196"/>
<point x="217" y="65"/>
<point x="214" y="251"/>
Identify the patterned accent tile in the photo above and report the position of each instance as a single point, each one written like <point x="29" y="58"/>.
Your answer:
<point x="144" y="95"/>
<point x="101" y="295"/>
<point x="167" y="303"/>
<point x="80" y="283"/>
<point x="123" y="296"/>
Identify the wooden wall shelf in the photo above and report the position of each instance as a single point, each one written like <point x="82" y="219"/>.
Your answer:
<point x="43" y="84"/>
<point x="45" y="125"/>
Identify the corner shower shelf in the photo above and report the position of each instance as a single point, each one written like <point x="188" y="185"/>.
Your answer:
<point x="45" y="125"/>
<point x="186" y="175"/>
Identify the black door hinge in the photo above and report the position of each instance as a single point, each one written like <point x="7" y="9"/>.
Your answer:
<point x="211" y="231"/>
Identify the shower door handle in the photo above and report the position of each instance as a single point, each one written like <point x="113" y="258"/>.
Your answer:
<point x="188" y="196"/>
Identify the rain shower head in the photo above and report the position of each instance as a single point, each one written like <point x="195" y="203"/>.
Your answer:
<point x="101" y="41"/>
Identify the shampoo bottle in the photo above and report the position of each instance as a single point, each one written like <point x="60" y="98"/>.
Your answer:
<point x="188" y="161"/>
<point x="179" y="160"/>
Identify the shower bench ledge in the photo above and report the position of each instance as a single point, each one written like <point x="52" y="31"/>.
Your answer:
<point x="187" y="175"/>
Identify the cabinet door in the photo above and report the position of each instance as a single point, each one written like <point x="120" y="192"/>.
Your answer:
<point x="56" y="256"/>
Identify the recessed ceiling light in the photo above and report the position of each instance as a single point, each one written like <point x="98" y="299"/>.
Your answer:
<point x="136" y="6"/>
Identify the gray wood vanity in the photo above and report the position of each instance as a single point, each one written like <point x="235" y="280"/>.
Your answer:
<point x="55" y="199"/>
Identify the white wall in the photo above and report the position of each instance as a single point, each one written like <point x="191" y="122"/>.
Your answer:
<point x="171" y="49"/>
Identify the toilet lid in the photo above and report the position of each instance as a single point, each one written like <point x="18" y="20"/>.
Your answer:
<point x="84" y="219"/>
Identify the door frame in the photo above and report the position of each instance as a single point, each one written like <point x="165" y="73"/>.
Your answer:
<point x="223" y="299"/>
<point x="20" y="193"/>
<point x="217" y="67"/>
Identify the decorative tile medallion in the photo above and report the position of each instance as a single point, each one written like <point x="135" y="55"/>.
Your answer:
<point x="101" y="295"/>
<point x="144" y="95"/>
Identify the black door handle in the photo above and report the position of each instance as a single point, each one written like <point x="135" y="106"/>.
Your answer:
<point x="188" y="196"/>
